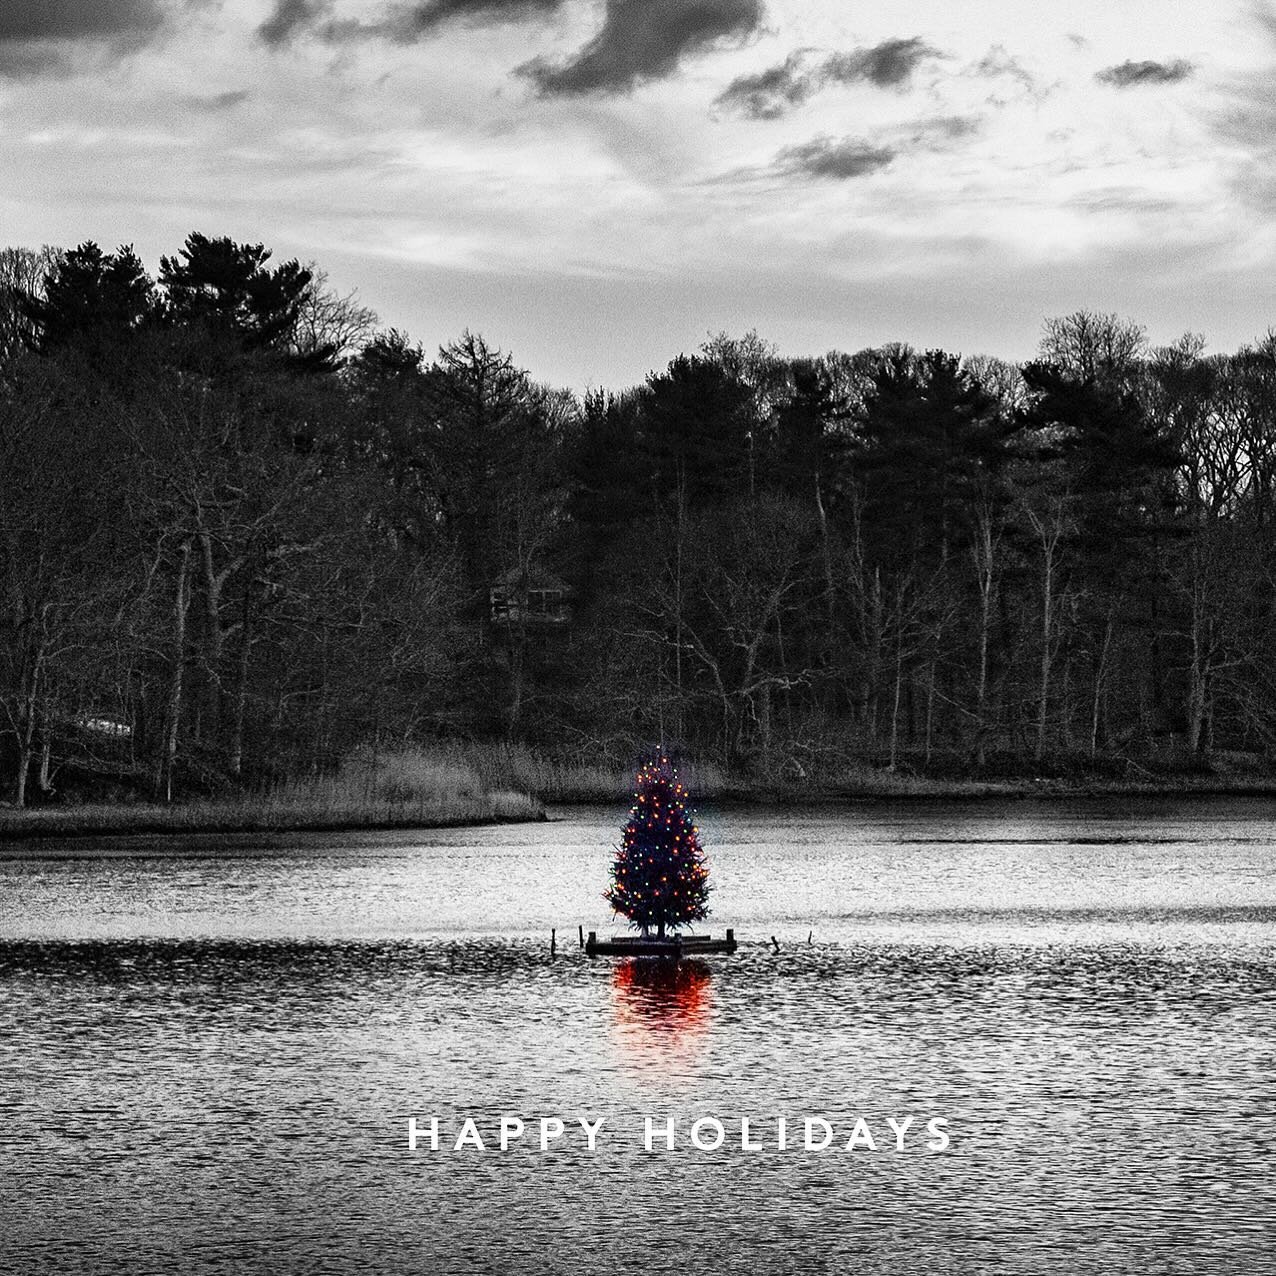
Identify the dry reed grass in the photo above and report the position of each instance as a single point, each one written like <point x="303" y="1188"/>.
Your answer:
<point x="405" y="789"/>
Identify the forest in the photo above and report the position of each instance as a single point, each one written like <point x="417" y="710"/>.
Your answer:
<point x="245" y="531"/>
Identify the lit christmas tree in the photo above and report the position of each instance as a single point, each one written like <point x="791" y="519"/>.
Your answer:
<point x="660" y="878"/>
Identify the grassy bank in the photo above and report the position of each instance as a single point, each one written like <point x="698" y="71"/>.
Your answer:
<point x="459" y="783"/>
<point x="409" y="789"/>
<point x="564" y="782"/>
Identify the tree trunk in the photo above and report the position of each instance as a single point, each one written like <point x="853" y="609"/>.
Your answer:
<point x="1198" y="683"/>
<point x="1043" y="691"/>
<point x="764" y="725"/>
<point x="236" y="753"/>
<point x="24" y="763"/>
<point x="984" y="568"/>
<point x="26" y="736"/>
<point x="46" y="753"/>
<point x="1100" y="678"/>
<point x="930" y="709"/>
<point x="899" y="674"/>
<point x="873" y="656"/>
<point x="827" y="558"/>
<point x="173" y="709"/>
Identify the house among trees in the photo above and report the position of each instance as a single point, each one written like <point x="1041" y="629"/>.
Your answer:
<point x="530" y="597"/>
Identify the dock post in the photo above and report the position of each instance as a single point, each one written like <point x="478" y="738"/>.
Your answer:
<point x="582" y="935"/>
<point x="553" y="942"/>
<point x="730" y="935"/>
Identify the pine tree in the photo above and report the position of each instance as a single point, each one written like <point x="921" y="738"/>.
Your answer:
<point x="660" y="877"/>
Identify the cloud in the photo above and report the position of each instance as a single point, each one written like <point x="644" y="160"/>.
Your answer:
<point x="292" y="18"/>
<point x="840" y="159"/>
<point x="42" y="39"/>
<point x="936" y="133"/>
<point x="770" y="93"/>
<point x="1247" y="121"/>
<point x="215" y="102"/>
<point x="997" y="62"/>
<point x="644" y="40"/>
<point x="37" y="20"/>
<point x="19" y="61"/>
<point x="408" y="22"/>
<point x="887" y="65"/>
<point x="1130" y="74"/>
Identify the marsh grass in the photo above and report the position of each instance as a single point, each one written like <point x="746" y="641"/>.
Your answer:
<point x="406" y="789"/>
<point x="480" y="783"/>
<point x="512" y="766"/>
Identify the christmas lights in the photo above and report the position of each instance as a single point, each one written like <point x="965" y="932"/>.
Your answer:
<point x="660" y="877"/>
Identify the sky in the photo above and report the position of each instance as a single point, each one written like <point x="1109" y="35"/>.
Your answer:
<point x="598" y="185"/>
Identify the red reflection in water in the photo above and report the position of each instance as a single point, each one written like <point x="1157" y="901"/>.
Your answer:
<point x="661" y="1010"/>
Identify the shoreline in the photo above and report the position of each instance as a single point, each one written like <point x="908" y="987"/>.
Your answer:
<point x="229" y="819"/>
<point x="205" y="819"/>
<point x="923" y="790"/>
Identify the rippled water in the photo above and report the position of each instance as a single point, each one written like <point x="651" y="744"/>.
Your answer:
<point x="209" y="1051"/>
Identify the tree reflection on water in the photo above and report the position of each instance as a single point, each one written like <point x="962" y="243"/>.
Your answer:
<point x="661" y="1010"/>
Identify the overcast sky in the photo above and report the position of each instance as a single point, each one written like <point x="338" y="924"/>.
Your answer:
<point x="596" y="185"/>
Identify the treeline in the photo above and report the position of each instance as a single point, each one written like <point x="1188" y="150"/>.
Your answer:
<point x="244" y="532"/>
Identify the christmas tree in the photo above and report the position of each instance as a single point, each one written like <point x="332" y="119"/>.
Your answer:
<point x="660" y="877"/>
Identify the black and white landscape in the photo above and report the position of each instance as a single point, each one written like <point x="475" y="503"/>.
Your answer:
<point x="416" y="416"/>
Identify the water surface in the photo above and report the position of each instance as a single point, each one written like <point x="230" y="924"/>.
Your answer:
<point x="209" y="1049"/>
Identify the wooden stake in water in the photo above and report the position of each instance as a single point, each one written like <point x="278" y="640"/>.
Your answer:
<point x="553" y="942"/>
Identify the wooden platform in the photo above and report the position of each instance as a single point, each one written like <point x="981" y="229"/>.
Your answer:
<point x="675" y="946"/>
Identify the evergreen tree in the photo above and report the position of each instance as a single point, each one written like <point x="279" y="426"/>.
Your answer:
<point x="660" y="877"/>
<point x="227" y="293"/>
<point x="931" y="442"/>
<point x="695" y="430"/>
<point x="92" y="302"/>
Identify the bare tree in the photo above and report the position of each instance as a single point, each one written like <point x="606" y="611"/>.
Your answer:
<point x="331" y="321"/>
<point x="1094" y="346"/>
<point x="23" y="272"/>
<point x="1048" y="515"/>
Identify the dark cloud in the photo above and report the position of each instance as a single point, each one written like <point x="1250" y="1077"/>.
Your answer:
<point x="404" y="23"/>
<point x="837" y="158"/>
<point x="52" y="37"/>
<point x="20" y="61"/>
<point x="771" y="93"/>
<point x="644" y="40"/>
<point x="1129" y="74"/>
<point x="33" y="20"/>
<point x="410" y="21"/>
<point x="886" y="65"/>
<point x="840" y="159"/>
<point x="292" y="18"/>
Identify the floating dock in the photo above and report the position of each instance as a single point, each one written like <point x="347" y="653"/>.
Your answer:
<point x="674" y="946"/>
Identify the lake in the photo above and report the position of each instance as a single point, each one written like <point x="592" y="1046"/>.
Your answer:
<point x="210" y="1048"/>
